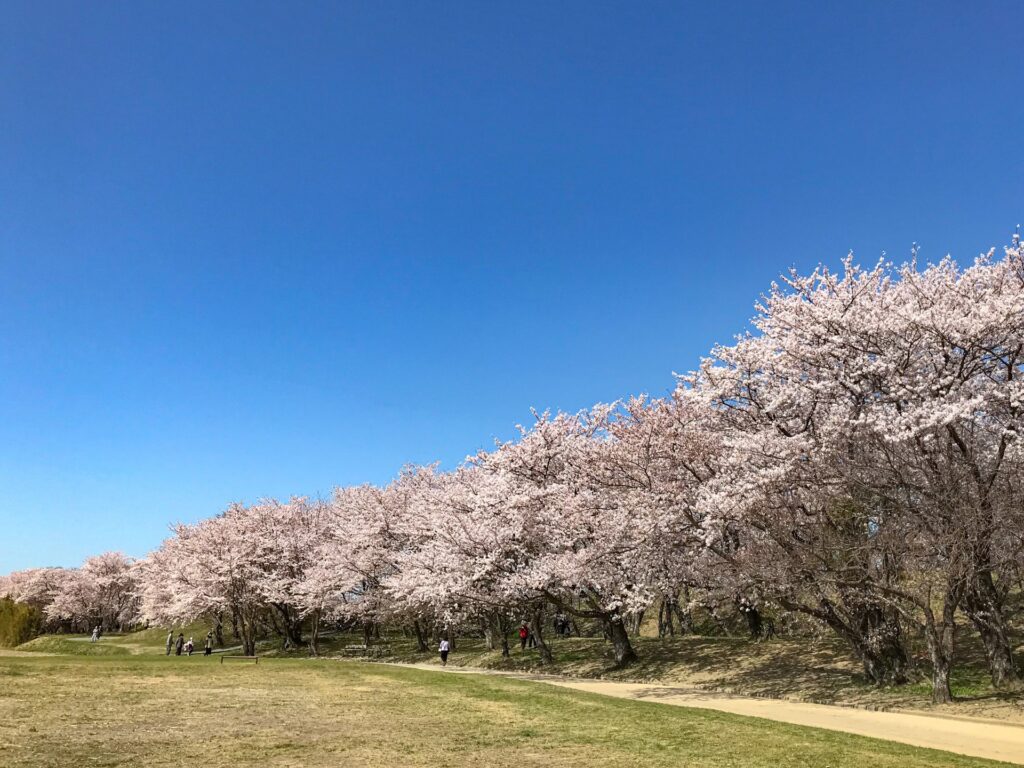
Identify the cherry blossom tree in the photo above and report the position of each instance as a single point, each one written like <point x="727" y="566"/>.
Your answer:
<point x="467" y="552"/>
<point x="214" y="567"/>
<point x="603" y="511"/>
<point x="33" y="586"/>
<point x="873" y="420"/>
<point x="100" y="593"/>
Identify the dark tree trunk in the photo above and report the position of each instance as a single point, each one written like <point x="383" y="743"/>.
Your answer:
<point x="503" y="631"/>
<point x="291" y="625"/>
<point x="538" y="634"/>
<point x="753" y="617"/>
<point x="684" y="617"/>
<point x="883" y="654"/>
<point x="218" y="629"/>
<point x="984" y="607"/>
<point x="247" y="627"/>
<point x="621" y="647"/>
<point x="421" y="637"/>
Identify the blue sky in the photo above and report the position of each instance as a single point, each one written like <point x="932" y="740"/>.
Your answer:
<point x="271" y="249"/>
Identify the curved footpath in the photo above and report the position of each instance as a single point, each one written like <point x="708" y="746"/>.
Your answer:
<point x="974" y="737"/>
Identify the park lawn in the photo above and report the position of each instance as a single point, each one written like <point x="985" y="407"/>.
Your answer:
<point x="818" y="670"/>
<point x="159" y="711"/>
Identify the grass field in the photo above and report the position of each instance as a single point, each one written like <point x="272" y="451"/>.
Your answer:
<point x="145" y="709"/>
<point x="818" y="670"/>
<point x="805" y="669"/>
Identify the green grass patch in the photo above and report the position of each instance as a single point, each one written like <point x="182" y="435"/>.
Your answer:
<point x="73" y="645"/>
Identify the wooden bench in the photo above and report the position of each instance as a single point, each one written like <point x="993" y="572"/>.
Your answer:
<point x="244" y="658"/>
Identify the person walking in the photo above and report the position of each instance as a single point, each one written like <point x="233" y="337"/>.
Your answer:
<point x="179" y="646"/>
<point x="443" y="648"/>
<point x="208" y="647"/>
<point x="170" y="641"/>
<point x="189" y="646"/>
<point x="95" y="635"/>
<point x="524" y="632"/>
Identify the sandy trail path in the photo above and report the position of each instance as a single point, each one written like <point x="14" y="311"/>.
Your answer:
<point x="966" y="736"/>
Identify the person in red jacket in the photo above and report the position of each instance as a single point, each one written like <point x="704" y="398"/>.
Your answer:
<point x="524" y="633"/>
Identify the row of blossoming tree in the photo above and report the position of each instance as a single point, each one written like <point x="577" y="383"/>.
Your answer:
<point x="854" y="461"/>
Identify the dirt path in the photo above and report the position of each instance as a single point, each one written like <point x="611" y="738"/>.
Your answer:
<point x="975" y="737"/>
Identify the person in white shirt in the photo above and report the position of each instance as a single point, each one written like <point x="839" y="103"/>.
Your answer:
<point x="443" y="648"/>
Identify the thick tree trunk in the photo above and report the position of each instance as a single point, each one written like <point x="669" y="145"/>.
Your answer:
<point x="665" y="624"/>
<point x="314" y="633"/>
<point x="504" y="628"/>
<point x="940" y="637"/>
<point x="488" y="626"/>
<point x="984" y="607"/>
<point x="621" y="647"/>
<point x="883" y="653"/>
<point x="874" y="639"/>
<point x="421" y="637"/>
<point x="291" y="625"/>
<point x="941" y="693"/>
<point x="247" y="627"/>
<point x="685" y="619"/>
<point x="218" y="629"/>
<point x="753" y="617"/>
<point x="367" y="632"/>
<point x="538" y="634"/>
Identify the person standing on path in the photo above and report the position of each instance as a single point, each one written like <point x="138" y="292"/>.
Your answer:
<point x="189" y="646"/>
<point x="95" y="635"/>
<point x="444" y="647"/>
<point x="208" y="647"/>
<point x="180" y="645"/>
<point x="170" y="641"/>
<point x="524" y="632"/>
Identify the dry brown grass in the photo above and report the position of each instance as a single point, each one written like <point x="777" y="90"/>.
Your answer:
<point x="150" y="710"/>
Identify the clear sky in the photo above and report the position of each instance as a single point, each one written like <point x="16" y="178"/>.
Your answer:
<point x="266" y="249"/>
